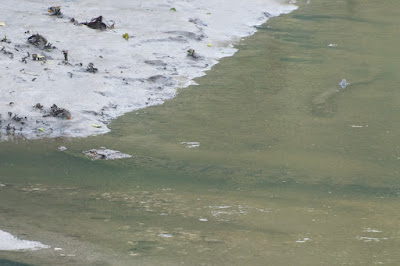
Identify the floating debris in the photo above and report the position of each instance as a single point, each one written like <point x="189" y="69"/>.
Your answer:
<point x="332" y="45"/>
<point x="38" y="106"/>
<point x="18" y="118"/>
<point x="96" y="23"/>
<point x="91" y="69"/>
<point x="191" y="52"/>
<point x="55" y="11"/>
<point x="2" y="24"/>
<point x="173" y="9"/>
<point x="37" y="57"/>
<point x="125" y="36"/>
<point x="96" y="126"/>
<point x="40" y="42"/>
<point x="209" y="44"/>
<point x="5" y="39"/>
<point x="55" y="111"/>
<point x="8" y="53"/>
<point x="76" y="23"/>
<point x="23" y="59"/>
<point x="105" y="154"/>
<point x="65" y="53"/>
<point x="343" y="84"/>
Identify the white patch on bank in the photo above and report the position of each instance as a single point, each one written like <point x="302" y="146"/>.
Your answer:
<point x="132" y="74"/>
<point x="9" y="242"/>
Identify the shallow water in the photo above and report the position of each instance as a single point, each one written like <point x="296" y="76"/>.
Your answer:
<point x="291" y="169"/>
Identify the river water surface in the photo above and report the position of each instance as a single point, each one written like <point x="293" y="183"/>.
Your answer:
<point x="291" y="168"/>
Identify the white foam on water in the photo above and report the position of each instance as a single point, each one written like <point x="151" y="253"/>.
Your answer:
<point x="371" y="239"/>
<point x="165" y="235"/>
<point x="370" y="230"/>
<point x="304" y="240"/>
<point x="132" y="74"/>
<point x="9" y="242"/>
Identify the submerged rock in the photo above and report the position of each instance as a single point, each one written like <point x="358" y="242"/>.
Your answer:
<point x="105" y="154"/>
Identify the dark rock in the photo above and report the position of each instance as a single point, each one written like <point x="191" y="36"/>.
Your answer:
<point x="8" y="53"/>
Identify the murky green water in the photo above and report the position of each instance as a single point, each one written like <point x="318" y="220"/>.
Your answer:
<point x="291" y="170"/>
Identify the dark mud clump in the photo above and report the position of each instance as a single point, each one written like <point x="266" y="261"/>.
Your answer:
<point x="91" y="69"/>
<point x="40" y="42"/>
<point x="55" y="111"/>
<point x="96" y="23"/>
